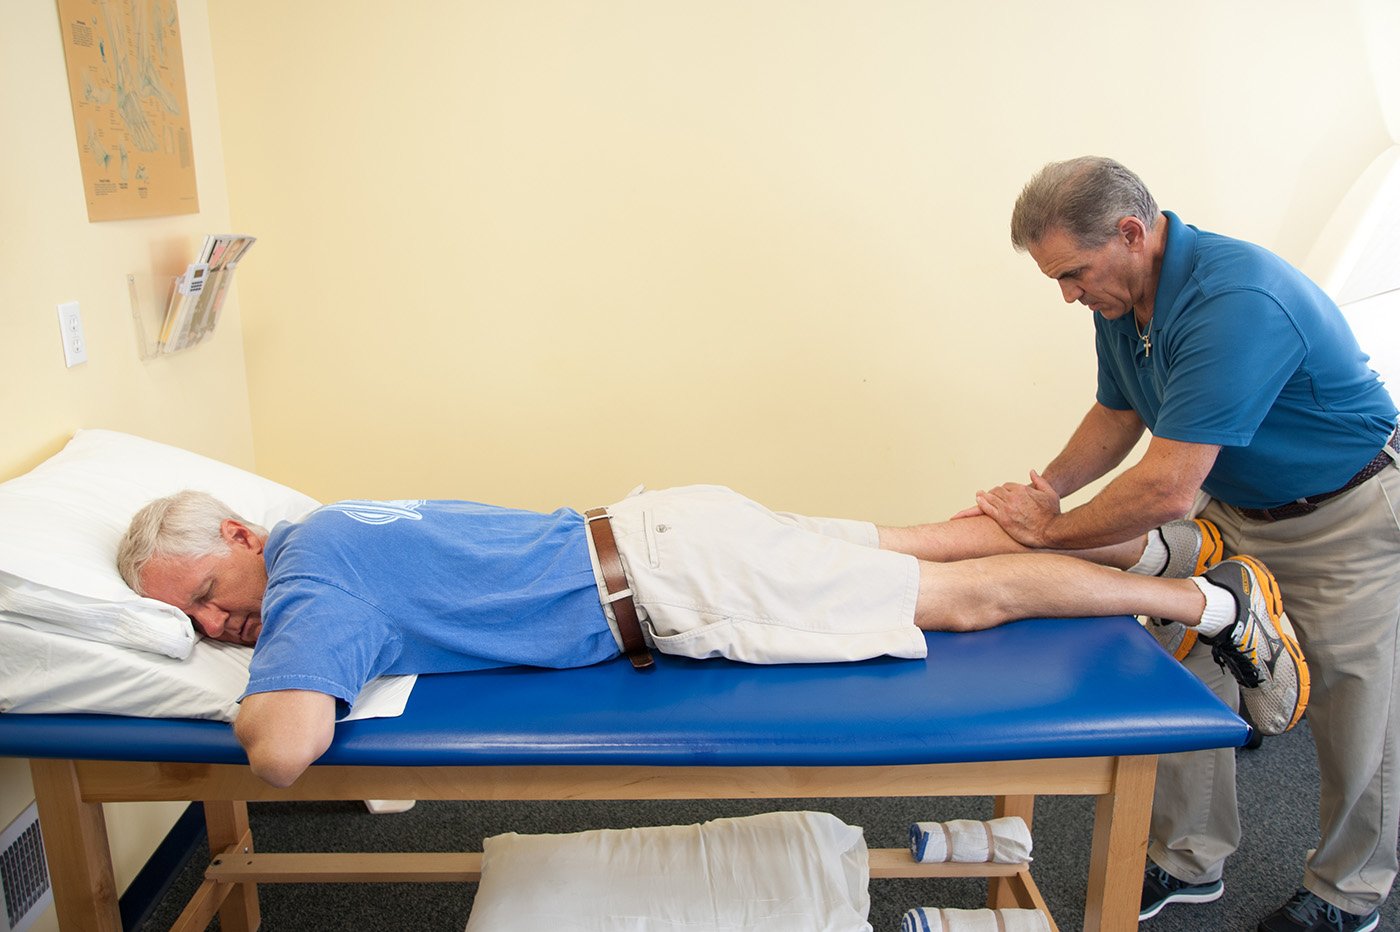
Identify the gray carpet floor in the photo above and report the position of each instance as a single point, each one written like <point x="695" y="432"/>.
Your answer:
<point x="1278" y="797"/>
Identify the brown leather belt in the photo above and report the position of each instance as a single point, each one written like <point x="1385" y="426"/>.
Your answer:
<point x="634" y="645"/>
<point x="1306" y="506"/>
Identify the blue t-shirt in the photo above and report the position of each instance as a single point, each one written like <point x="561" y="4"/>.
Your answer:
<point x="1249" y="354"/>
<point x="358" y="589"/>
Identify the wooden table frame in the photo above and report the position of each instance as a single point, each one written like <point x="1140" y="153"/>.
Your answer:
<point x="70" y="794"/>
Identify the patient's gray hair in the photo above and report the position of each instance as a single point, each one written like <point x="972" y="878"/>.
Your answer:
<point x="1085" y="197"/>
<point x="186" y="524"/>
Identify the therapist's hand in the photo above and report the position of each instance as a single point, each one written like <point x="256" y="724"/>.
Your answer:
<point x="1025" y="512"/>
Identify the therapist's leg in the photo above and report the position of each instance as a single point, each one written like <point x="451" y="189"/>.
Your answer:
<point x="1195" y="814"/>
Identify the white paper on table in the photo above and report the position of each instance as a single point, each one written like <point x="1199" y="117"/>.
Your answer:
<point x="382" y="697"/>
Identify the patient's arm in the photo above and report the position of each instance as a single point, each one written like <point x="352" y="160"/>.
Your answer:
<point x="284" y="731"/>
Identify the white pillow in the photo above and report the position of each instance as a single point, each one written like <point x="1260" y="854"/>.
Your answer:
<point x="45" y="672"/>
<point x="61" y="522"/>
<point x="144" y="624"/>
<point x="53" y="673"/>
<point x="776" y="872"/>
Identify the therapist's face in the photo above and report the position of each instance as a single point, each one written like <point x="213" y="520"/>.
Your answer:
<point x="222" y="593"/>
<point x="1106" y="279"/>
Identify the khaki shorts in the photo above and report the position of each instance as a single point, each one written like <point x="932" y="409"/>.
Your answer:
<point x="715" y="574"/>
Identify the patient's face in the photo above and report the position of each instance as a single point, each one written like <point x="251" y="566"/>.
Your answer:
<point x="222" y="593"/>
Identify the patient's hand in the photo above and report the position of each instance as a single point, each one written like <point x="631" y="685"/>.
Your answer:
<point x="284" y="731"/>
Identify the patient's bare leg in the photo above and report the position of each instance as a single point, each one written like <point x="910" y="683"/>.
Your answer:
<point x="973" y="594"/>
<point x="981" y="536"/>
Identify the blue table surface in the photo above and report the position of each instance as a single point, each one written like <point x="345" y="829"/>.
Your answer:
<point x="1031" y="689"/>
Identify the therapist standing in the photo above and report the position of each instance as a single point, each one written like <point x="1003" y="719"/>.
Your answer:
<point x="1255" y="392"/>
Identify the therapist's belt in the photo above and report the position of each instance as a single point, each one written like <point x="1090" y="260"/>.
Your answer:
<point x="1306" y="506"/>
<point x="619" y="592"/>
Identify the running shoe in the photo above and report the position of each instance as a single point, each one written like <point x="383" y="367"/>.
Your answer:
<point x="1193" y="546"/>
<point x="1263" y="658"/>
<point x="1176" y="639"/>
<point x="1159" y="889"/>
<point x="1308" y="912"/>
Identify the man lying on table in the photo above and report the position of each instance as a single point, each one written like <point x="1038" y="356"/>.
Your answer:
<point x="358" y="589"/>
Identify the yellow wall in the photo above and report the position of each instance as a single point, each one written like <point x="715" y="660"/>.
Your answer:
<point x="535" y="252"/>
<point x="50" y="253"/>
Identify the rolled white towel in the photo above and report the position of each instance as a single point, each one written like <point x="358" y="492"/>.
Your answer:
<point x="933" y="919"/>
<point x="1004" y="841"/>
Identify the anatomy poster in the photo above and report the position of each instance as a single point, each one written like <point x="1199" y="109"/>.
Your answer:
<point x="126" y="75"/>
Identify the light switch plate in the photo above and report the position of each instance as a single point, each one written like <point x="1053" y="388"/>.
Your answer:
<point x="70" y="324"/>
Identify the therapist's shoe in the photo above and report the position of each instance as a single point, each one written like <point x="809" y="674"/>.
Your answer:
<point x="1160" y="889"/>
<point x="1263" y="658"/>
<point x="1308" y="912"/>
<point x="1193" y="546"/>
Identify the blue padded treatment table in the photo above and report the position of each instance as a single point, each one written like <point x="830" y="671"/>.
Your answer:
<point x="1062" y="706"/>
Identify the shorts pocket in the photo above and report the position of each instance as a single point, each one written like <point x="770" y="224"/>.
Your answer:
<point x="703" y="641"/>
<point x="649" y="530"/>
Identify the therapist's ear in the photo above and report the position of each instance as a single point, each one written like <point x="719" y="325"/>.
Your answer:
<point x="1134" y="232"/>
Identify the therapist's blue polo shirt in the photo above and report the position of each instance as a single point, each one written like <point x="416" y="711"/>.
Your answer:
<point x="1249" y="354"/>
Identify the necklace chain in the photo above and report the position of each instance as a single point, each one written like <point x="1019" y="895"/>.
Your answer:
<point x="1144" y="336"/>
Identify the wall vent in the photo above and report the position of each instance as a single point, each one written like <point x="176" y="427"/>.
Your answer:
<point x="24" y="872"/>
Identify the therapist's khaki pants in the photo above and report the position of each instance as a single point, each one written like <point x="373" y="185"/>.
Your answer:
<point x="1339" y="571"/>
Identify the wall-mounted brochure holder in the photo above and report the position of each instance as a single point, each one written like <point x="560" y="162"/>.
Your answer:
<point x="193" y="300"/>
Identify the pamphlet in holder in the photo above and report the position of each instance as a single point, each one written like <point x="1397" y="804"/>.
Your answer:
<point x="196" y="298"/>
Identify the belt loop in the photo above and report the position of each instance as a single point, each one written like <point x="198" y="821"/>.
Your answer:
<point x="619" y="593"/>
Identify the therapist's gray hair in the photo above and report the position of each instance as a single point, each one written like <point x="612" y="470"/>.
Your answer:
<point x="1085" y="197"/>
<point x="186" y="524"/>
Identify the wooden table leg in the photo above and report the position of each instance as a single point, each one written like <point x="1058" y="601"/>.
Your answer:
<point x="75" y="840"/>
<point x="1004" y="892"/>
<point x="1119" y="852"/>
<point x="227" y="822"/>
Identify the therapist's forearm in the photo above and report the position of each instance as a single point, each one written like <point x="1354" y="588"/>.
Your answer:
<point x="1162" y="487"/>
<point x="1101" y="441"/>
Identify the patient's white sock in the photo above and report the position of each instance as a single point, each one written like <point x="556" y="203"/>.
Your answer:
<point x="1220" y="607"/>
<point x="1154" y="555"/>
